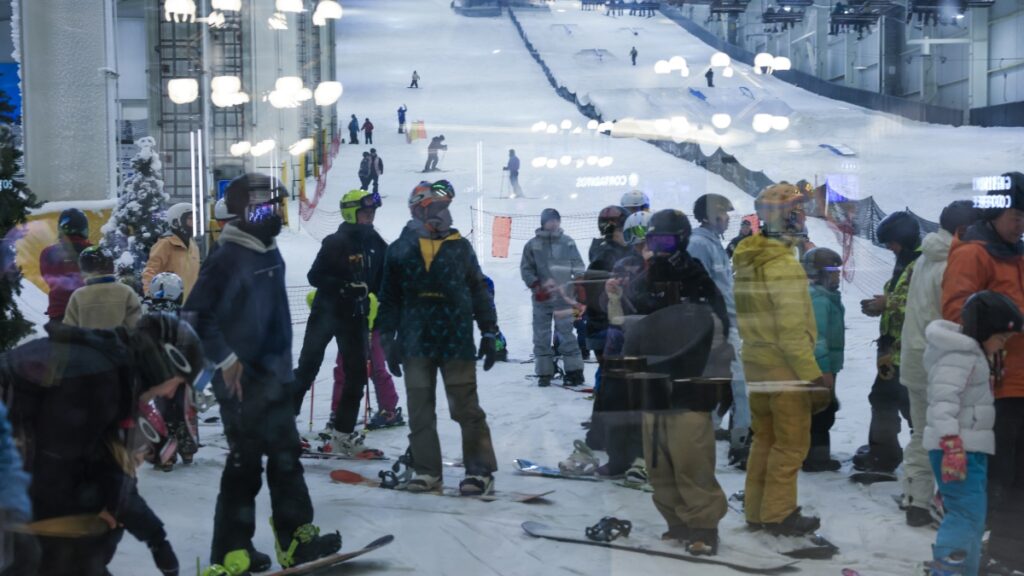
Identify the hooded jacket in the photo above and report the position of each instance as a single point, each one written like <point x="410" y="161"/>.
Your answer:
<point x="705" y="245"/>
<point x="924" y="305"/>
<point x="891" y="323"/>
<point x="981" y="260"/>
<point x="773" y="310"/>
<point x="170" y="254"/>
<point x="58" y="265"/>
<point x="353" y="254"/>
<point x="550" y="256"/>
<point x="960" y="399"/>
<point x="103" y="303"/>
<point x="830" y="319"/>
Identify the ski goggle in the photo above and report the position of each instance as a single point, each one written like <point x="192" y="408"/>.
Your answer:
<point x="635" y="234"/>
<point x="662" y="243"/>
<point x="256" y="213"/>
<point x="368" y="201"/>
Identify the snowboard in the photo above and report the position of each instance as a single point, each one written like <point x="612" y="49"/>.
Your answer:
<point x="809" y="547"/>
<point x="869" y="478"/>
<point x="735" y="559"/>
<point x="333" y="559"/>
<point x="528" y="468"/>
<point x="343" y="476"/>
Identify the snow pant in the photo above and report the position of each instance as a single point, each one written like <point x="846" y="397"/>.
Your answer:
<point x="740" y="402"/>
<point x="918" y="480"/>
<point x="364" y="182"/>
<point x="383" y="385"/>
<point x="821" y="438"/>
<point x="544" y="313"/>
<point x="1006" y="485"/>
<point x="76" y="556"/>
<point x="889" y="400"/>
<point x="513" y="179"/>
<point x="265" y="426"/>
<point x="139" y="519"/>
<point x="415" y="84"/>
<point x="401" y="126"/>
<point x="618" y="425"/>
<point x="375" y="180"/>
<point x="353" y="137"/>
<point x="964" y="502"/>
<point x="597" y="432"/>
<point x="20" y="554"/>
<point x="431" y="162"/>
<point x="679" y="449"/>
<point x="781" y="424"/>
<point x="326" y="321"/>
<point x="459" y="378"/>
<point x="368" y="137"/>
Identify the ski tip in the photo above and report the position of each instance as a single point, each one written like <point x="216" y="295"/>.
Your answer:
<point x="347" y="476"/>
<point x="382" y="541"/>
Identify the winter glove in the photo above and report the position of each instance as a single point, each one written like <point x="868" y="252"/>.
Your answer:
<point x="954" y="459"/>
<point x="488" y="350"/>
<point x="873" y="307"/>
<point x="886" y="369"/>
<point x="540" y="294"/>
<point x="164" y="558"/>
<point x="821" y="395"/>
<point x="355" y="290"/>
<point x="392" y="354"/>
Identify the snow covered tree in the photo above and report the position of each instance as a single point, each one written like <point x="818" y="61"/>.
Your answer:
<point x="138" y="221"/>
<point x="15" y="201"/>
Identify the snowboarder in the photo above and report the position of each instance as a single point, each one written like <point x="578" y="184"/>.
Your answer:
<point x="924" y="305"/>
<point x="367" y="131"/>
<point x="823" y="267"/>
<point x="549" y="264"/>
<point x="712" y="211"/>
<point x="433" y="289"/>
<point x="436" y="144"/>
<point x="776" y="322"/>
<point x="353" y="130"/>
<point x="964" y="364"/>
<point x="513" y="172"/>
<point x="746" y="229"/>
<point x="635" y="201"/>
<point x="347" y="269"/>
<point x="632" y="55"/>
<point x="103" y="302"/>
<point x="415" y="80"/>
<point x="401" y="118"/>
<point x="175" y="251"/>
<point x="58" y="263"/>
<point x="364" y="172"/>
<point x="241" y="310"/>
<point x="901" y="234"/>
<point x="710" y="77"/>
<point x="376" y="169"/>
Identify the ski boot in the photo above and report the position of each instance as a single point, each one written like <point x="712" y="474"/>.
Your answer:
<point x="918" y="517"/>
<point x="351" y="444"/>
<point x="543" y="381"/>
<point x="574" y="378"/>
<point x="420" y="483"/>
<point x="306" y="545"/>
<point x="637" y="473"/>
<point x="702" y="542"/>
<point x="475" y="485"/>
<point x="328" y="427"/>
<point x="952" y="565"/>
<point x="581" y="462"/>
<point x="608" y="529"/>
<point x="795" y="524"/>
<point x="386" y="419"/>
<point x="187" y="447"/>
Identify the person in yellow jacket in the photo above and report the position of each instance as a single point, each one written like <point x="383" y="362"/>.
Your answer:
<point x="777" y="326"/>
<point x="175" y="252"/>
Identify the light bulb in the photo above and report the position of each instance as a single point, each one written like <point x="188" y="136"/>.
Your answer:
<point x="720" y="60"/>
<point x="721" y="121"/>
<point x="762" y="123"/>
<point x="182" y="90"/>
<point x="327" y="93"/>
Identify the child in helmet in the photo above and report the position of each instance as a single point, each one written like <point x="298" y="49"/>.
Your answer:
<point x="964" y="364"/>
<point x="166" y="293"/>
<point x="103" y="302"/>
<point x="175" y="251"/>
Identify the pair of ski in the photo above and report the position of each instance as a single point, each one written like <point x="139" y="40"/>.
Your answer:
<point x="343" y="476"/>
<point x="530" y="468"/>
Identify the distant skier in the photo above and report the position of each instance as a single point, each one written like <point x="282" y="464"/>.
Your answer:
<point x="415" y="80"/>
<point x="746" y="230"/>
<point x="436" y="145"/>
<point x="364" y="171"/>
<point x="376" y="169"/>
<point x="58" y="263"/>
<point x="632" y="55"/>
<point x="353" y="130"/>
<point x="710" y="76"/>
<point x="368" y="131"/>
<point x="513" y="172"/>
<point x="401" y="118"/>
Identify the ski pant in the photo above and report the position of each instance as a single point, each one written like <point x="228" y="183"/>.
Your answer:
<point x="544" y="313"/>
<point x="349" y="329"/>
<point x="431" y="162"/>
<point x="364" y="182"/>
<point x="21" y="554"/>
<point x="265" y="426"/>
<point x="459" y="378"/>
<point x="1006" y="485"/>
<point x="679" y="449"/>
<point x="964" y="502"/>
<point x="368" y="137"/>
<point x="618" y="425"/>
<point x="889" y="400"/>
<point x="353" y="137"/>
<point x="383" y="385"/>
<point x="821" y="438"/>
<point x="77" y="556"/>
<point x="918" y="480"/>
<point x="374" y="179"/>
<point x="781" y="423"/>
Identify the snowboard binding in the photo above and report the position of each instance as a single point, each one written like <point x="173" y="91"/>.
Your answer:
<point x="608" y="529"/>
<point x="400" y="473"/>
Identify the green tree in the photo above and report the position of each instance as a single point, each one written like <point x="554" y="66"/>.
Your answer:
<point x="15" y="202"/>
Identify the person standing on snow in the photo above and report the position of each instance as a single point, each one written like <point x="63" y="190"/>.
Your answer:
<point x="364" y="172"/>
<point x="401" y="118"/>
<point x="513" y="171"/>
<point x="367" y="131"/>
<point x="710" y="77"/>
<point x="415" y="80"/>
<point x="436" y="145"/>
<point x="353" y="130"/>
<point x="240" y="307"/>
<point x="175" y="251"/>
<point x="103" y="302"/>
<point x="549" y="264"/>
<point x="632" y="55"/>
<point x="376" y="169"/>
<point x="432" y="291"/>
<point x="58" y="263"/>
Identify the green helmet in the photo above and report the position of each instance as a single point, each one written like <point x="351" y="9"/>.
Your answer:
<point x="355" y="200"/>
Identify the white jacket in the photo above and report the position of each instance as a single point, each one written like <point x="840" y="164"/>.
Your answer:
<point x="924" y="304"/>
<point x="960" y="399"/>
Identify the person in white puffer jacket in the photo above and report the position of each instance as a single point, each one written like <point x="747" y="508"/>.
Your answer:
<point x="964" y="363"/>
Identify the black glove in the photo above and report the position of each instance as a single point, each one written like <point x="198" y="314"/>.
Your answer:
<point x="392" y="354"/>
<point x="164" y="558"/>
<point x="488" y="350"/>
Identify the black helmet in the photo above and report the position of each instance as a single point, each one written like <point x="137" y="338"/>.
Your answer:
<point x="957" y="214"/>
<point x="987" y="313"/>
<point x="901" y="228"/>
<point x="165" y="347"/>
<point x="817" y="261"/>
<point x="710" y="206"/>
<point x="95" y="261"/>
<point x="72" y="222"/>
<point x="254" y="196"/>
<point x="1009" y="195"/>
<point x="668" y="232"/>
<point x="610" y="219"/>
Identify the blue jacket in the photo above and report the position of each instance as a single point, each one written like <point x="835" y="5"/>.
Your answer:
<point x="401" y="115"/>
<point x="14" y="481"/>
<point x="829" y="314"/>
<point x="706" y="246"/>
<point x="240" y="307"/>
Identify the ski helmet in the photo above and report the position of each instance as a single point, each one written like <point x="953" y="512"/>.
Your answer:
<point x="778" y="207"/>
<point x="72" y="222"/>
<point x="549" y="214"/>
<point x="1010" y="196"/>
<point x="899" y="227"/>
<point x="668" y="232"/>
<point x="709" y="207"/>
<point x="94" y="261"/>
<point x="818" y="262"/>
<point x="988" y="313"/>
<point x="426" y="193"/>
<point x="635" y="229"/>
<point x="356" y="200"/>
<point x="610" y="219"/>
<point x="960" y="213"/>
<point x="255" y="197"/>
<point x="220" y="211"/>
<point x="635" y="201"/>
<point x="175" y="216"/>
<point x="167" y="286"/>
<point x="166" y="347"/>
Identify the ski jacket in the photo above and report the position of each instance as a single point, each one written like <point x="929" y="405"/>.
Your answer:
<point x="367" y="126"/>
<point x="982" y="261"/>
<point x="14" y="481"/>
<point x="376" y="165"/>
<point x="513" y="164"/>
<point x="960" y="399"/>
<point x="103" y="303"/>
<point x="604" y="255"/>
<point x="58" y="265"/>
<point x="240" y="307"/>
<point x="830" y="319"/>
<point x="774" y="312"/>
<point x="401" y="115"/>
<point x="924" y="305"/>
<point x="364" y="167"/>
<point x="731" y="248"/>
<point x="706" y="246"/>
<point x="353" y="125"/>
<point x="432" y="291"/>
<point x="353" y="254"/>
<point x="891" y="323"/>
<point x="551" y="256"/>
<point x="171" y="254"/>
<point x="436" y="144"/>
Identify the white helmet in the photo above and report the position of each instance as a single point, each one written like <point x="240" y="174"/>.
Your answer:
<point x="176" y="213"/>
<point x="635" y="229"/>
<point x="220" y="211"/>
<point x="634" y="201"/>
<point x="167" y="287"/>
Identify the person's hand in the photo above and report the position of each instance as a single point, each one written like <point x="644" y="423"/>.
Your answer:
<point x="233" y="380"/>
<point x="613" y="287"/>
<point x="954" y="459"/>
<point x="108" y="518"/>
<point x="488" y="350"/>
<point x="540" y="294"/>
<point x="392" y="354"/>
<point x="886" y="368"/>
<point x="505" y="168"/>
<point x="873" y="306"/>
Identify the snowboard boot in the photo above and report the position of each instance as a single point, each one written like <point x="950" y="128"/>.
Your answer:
<point x="918" y="517"/>
<point x="351" y="444"/>
<point x="827" y="465"/>
<point x="476" y="485"/>
<point x="702" y="542"/>
<point x="543" y="381"/>
<point x="386" y="419"/>
<point x="329" y="426"/>
<point x="679" y="533"/>
<point x="739" y="447"/>
<point x="952" y="565"/>
<point x="637" y="473"/>
<point x="423" y="483"/>
<point x="306" y="545"/>
<point x="795" y="524"/>
<point x="235" y="563"/>
<point x="574" y="378"/>
<point x="581" y="462"/>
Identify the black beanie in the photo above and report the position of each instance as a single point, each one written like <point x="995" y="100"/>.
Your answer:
<point x="549" y="214"/>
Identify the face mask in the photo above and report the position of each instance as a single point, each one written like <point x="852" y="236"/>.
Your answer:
<point x="436" y="217"/>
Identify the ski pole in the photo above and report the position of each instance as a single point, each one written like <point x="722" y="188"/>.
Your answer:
<point x="312" y="397"/>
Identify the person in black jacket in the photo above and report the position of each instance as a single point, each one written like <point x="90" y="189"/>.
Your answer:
<point x="433" y="149"/>
<point x="347" y="269"/>
<point x="432" y="291"/>
<point x="364" y="172"/>
<point x="353" y="130"/>
<point x="604" y="254"/>
<point x="240" y="307"/>
<point x="376" y="169"/>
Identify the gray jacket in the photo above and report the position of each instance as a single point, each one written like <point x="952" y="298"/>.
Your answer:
<point x="551" y="256"/>
<point x="706" y="246"/>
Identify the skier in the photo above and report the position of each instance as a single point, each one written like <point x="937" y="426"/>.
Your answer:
<point x="776" y="322"/>
<point x="58" y="263"/>
<point x="376" y="169"/>
<point x="635" y="201"/>
<point x="964" y="363"/>
<point x="632" y="55"/>
<point x="415" y="80"/>
<point x="353" y="130"/>
<point x="103" y="302"/>
<point x="347" y="269"/>
<point x="436" y="144"/>
<point x="549" y="264"/>
<point x="21" y="551"/>
<point x="746" y="230"/>
<point x="367" y="131"/>
<point x="924" y="304"/>
<point x="710" y="77"/>
<point x="241" y="311"/>
<point x="401" y="118"/>
<point x="712" y="211"/>
<point x="432" y="291"/>
<point x="175" y="251"/>
<point x="901" y="234"/>
<point x="823" y="267"/>
<point x="364" y="172"/>
<point x="513" y="172"/>
<point x="990" y="256"/>
<point x="73" y="421"/>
